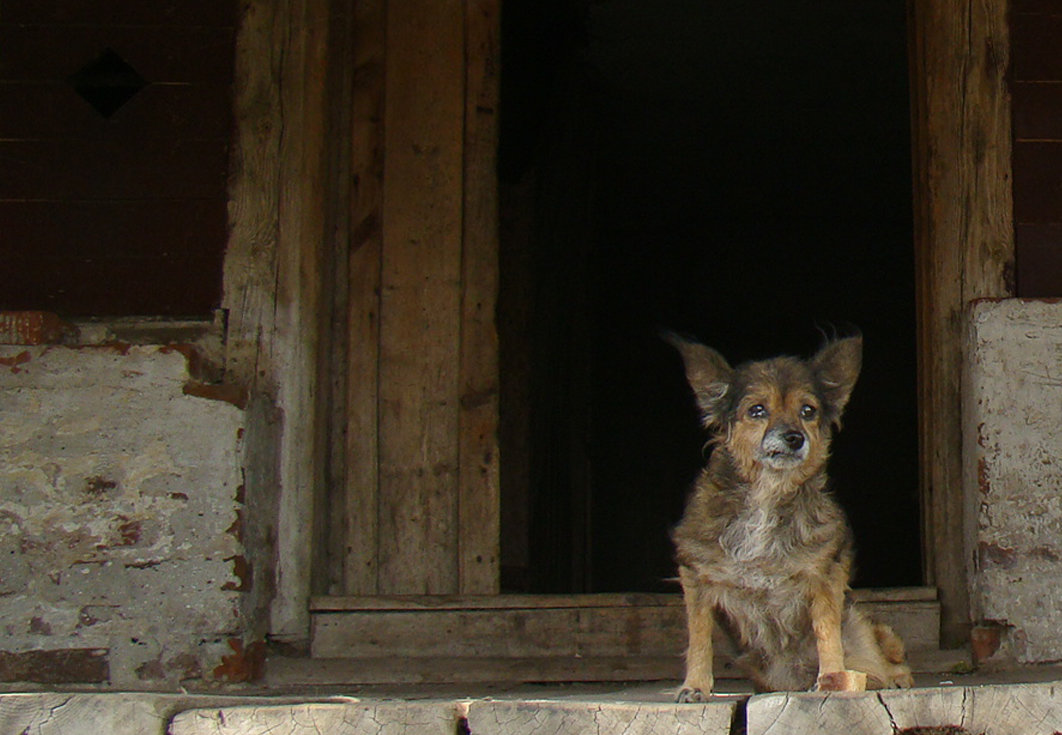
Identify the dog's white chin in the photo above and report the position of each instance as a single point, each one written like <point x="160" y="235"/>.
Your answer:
<point x="781" y="461"/>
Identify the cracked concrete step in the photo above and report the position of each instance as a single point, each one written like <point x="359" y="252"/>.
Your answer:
<point x="1013" y="709"/>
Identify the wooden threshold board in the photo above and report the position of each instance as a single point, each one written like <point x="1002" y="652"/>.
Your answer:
<point x="588" y="637"/>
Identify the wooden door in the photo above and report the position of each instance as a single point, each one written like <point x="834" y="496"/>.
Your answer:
<point x="414" y="509"/>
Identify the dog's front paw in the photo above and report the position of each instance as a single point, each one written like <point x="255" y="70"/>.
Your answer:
<point x="691" y="695"/>
<point x="841" y="681"/>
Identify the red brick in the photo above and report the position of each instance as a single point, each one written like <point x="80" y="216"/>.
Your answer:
<point x="33" y="328"/>
<point x="63" y="666"/>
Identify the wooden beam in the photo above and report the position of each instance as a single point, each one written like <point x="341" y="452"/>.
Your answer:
<point x="273" y="287"/>
<point x="964" y="249"/>
<point x="535" y="633"/>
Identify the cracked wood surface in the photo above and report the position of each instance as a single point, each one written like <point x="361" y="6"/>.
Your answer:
<point x="117" y="713"/>
<point x="629" y="718"/>
<point x="1024" y="709"/>
<point x="353" y="718"/>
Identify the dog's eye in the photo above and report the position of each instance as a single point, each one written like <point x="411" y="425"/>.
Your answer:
<point x="758" y="411"/>
<point x="808" y="412"/>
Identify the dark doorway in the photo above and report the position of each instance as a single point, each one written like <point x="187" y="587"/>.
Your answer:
<point x="739" y="172"/>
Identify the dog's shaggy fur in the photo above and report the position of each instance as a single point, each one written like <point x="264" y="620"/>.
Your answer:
<point x="762" y="543"/>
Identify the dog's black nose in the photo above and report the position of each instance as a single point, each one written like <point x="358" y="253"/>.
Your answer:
<point x="793" y="439"/>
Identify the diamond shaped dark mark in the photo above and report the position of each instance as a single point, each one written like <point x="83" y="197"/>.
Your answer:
<point x="107" y="82"/>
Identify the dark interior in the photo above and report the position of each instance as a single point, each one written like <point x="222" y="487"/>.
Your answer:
<point x="740" y="173"/>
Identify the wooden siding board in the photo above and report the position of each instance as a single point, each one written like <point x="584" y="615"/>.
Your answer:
<point x="479" y="500"/>
<point x="1037" y="182"/>
<point x="1039" y="259"/>
<point x="359" y="544"/>
<point x="1037" y="110"/>
<point x="121" y="12"/>
<point x="553" y="626"/>
<point x="113" y="169"/>
<point x="53" y="110"/>
<point x="161" y="55"/>
<point x="1035" y="54"/>
<point x="509" y="633"/>
<point x="114" y="287"/>
<point x="420" y="297"/>
<point x="107" y="230"/>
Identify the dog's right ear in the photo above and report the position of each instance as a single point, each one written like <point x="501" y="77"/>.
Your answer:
<point x="709" y="374"/>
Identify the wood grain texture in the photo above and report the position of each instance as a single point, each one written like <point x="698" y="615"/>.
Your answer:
<point x="478" y="480"/>
<point x="985" y="709"/>
<point x="964" y="249"/>
<point x="273" y="285"/>
<point x="360" y="506"/>
<point x="558" y="626"/>
<point x="421" y="297"/>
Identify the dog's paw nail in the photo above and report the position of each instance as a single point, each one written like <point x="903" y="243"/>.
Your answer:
<point x="690" y="695"/>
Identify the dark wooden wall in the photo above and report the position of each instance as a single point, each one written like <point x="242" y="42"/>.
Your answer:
<point x="1036" y="87"/>
<point x="114" y="134"/>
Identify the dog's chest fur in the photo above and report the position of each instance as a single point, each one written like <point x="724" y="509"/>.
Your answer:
<point x="761" y="549"/>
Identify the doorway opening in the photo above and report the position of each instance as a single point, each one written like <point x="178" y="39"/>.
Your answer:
<point x="736" y="172"/>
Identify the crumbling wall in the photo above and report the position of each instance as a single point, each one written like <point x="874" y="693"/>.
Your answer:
<point x="1012" y="417"/>
<point x="121" y="559"/>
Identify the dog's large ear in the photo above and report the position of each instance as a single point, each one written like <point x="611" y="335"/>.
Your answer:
<point x="708" y="374"/>
<point x="837" y="367"/>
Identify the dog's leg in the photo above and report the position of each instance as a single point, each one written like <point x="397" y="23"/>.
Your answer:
<point x="699" y="623"/>
<point x="827" y="607"/>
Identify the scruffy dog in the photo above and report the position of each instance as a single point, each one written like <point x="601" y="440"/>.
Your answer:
<point x="762" y="544"/>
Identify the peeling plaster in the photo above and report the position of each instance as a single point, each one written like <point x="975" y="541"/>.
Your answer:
<point x="117" y="494"/>
<point x="1011" y="407"/>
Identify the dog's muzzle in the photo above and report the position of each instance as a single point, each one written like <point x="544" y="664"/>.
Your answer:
<point x="784" y="447"/>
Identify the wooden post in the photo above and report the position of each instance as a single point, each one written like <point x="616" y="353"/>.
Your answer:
<point x="964" y="250"/>
<point x="273" y="271"/>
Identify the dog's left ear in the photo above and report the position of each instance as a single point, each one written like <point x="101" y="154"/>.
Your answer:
<point x="837" y="367"/>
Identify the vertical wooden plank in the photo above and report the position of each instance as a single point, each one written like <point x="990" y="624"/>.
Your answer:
<point x="329" y="567"/>
<point x="273" y="276"/>
<point x="479" y="499"/>
<point x="359" y="512"/>
<point x="420" y="297"/>
<point x="964" y="246"/>
<point x="300" y="310"/>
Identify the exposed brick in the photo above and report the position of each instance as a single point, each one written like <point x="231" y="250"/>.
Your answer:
<point x="33" y="328"/>
<point x="244" y="664"/>
<point x="64" y="666"/>
<point x="984" y="642"/>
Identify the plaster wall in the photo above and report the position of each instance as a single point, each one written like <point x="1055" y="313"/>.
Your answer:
<point x="121" y="559"/>
<point x="1012" y="418"/>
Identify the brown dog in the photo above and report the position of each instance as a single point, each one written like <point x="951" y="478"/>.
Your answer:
<point x="762" y="543"/>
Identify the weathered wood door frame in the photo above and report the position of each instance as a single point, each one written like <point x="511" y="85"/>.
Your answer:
<point x="961" y="139"/>
<point x="432" y="67"/>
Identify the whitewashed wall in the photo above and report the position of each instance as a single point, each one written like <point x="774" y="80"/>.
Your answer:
<point x="1012" y="418"/>
<point x="120" y="551"/>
